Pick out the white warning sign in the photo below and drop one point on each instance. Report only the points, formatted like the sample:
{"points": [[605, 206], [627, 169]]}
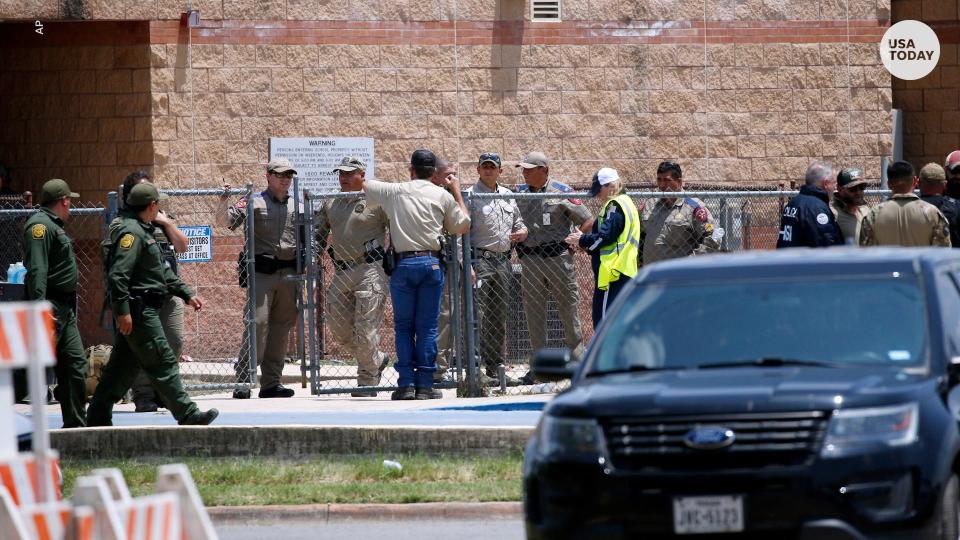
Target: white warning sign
{"points": [[315, 157], [199, 245]]}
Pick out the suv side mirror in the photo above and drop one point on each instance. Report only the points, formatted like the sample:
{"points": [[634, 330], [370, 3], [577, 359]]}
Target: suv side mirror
{"points": [[553, 365]]}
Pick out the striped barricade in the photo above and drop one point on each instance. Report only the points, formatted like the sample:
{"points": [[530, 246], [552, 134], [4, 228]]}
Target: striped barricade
{"points": [[176, 479], [152, 517], [19, 476], [16, 318], [48, 521]]}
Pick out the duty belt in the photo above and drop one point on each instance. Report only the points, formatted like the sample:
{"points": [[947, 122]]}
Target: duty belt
{"points": [[346, 265], [550, 249], [480, 253], [150, 298], [60, 297], [410, 254]]}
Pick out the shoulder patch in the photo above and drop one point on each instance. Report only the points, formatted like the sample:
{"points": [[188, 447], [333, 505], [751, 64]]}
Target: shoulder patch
{"points": [[38, 231], [522, 188], [690, 201], [822, 218], [700, 214], [359, 208], [126, 241]]}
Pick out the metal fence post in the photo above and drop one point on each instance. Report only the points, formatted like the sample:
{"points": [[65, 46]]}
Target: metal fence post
{"points": [[456, 312], [301, 338], [251, 291], [473, 379], [111, 211], [311, 353]]}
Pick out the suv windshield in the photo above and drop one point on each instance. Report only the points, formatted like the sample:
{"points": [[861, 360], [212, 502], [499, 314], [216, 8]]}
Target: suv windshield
{"points": [[822, 324]]}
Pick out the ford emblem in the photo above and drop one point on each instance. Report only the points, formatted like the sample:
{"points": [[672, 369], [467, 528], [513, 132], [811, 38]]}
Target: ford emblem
{"points": [[709, 438]]}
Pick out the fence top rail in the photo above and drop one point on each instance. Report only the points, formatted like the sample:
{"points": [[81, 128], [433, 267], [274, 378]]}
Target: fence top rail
{"points": [[203, 192], [587, 195], [16, 212]]}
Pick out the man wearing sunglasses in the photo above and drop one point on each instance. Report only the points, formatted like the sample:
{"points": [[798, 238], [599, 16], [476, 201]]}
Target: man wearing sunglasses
{"points": [[933, 188], [849, 204]]}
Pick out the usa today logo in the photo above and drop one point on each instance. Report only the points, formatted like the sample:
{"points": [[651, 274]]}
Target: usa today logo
{"points": [[910, 50]]}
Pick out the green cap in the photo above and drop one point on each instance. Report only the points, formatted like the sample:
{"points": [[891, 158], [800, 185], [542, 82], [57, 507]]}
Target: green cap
{"points": [[143, 194], [350, 163], [54, 190]]}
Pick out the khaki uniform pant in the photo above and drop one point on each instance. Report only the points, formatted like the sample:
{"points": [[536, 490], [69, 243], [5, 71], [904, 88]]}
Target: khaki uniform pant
{"points": [[171, 319], [492, 301], [276, 313], [355, 306], [553, 275]]}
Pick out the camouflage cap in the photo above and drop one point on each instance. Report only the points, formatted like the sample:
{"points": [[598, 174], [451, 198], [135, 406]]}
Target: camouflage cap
{"points": [[54, 190], [350, 163], [850, 177], [933, 173], [281, 166], [534, 160], [143, 194]]}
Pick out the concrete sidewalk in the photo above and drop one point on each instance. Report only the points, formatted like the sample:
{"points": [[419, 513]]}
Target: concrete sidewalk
{"points": [[327, 512]]}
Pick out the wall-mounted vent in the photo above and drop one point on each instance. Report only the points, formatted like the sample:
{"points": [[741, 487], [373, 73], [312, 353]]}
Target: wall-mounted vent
{"points": [[545, 10]]}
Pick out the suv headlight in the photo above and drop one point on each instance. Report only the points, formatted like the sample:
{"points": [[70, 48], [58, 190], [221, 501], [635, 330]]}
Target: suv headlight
{"points": [[571, 438], [857, 430]]}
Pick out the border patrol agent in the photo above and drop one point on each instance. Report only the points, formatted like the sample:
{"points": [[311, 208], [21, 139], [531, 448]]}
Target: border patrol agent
{"points": [[548, 264], [933, 187], [275, 250], [170, 241], [903, 219], [614, 242], [357, 293], [495, 225], [675, 227], [419, 213], [138, 283], [52, 275]]}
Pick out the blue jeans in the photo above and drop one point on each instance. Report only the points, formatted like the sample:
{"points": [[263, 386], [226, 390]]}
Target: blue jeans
{"points": [[415, 288]]}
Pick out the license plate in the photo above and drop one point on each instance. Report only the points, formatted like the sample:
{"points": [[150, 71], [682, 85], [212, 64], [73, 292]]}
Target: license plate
{"points": [[708, 514]]}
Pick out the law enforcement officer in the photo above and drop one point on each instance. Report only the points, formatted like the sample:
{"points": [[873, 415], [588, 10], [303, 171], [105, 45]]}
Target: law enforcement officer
{"points": [[441, 177], [52, 275], [548, 264], [275, 252], [675, 227], [138, 283], [933, 186], [355, 299], [951, 166], [807, 220], [849, 204], [904, 219], [495, 225], [419, 213], [614, 241], [171, 241]]}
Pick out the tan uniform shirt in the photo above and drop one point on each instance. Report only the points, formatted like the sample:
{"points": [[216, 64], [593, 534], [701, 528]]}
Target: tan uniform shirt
{"points": [[274, 225], [492, 220], [353, 223], [849, 223], [419, 212], [550, 220], [684, 228], [905, 220]]}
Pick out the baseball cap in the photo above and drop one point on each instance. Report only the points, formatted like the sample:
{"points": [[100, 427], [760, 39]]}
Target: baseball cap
{"points": [[350, 163], [423, 158], [492, 157], [143, 194], [601, 178], [850, 177], [281, 165], [933, 173], [953, 161], [55, 189], [534, 159]]}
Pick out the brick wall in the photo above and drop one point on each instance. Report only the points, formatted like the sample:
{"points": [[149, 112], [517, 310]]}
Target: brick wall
{"points": [[931, 105]]}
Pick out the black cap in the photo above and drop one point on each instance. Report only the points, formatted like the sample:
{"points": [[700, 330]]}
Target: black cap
{"points": [[492, 157], [423, 158], [850, 177]]}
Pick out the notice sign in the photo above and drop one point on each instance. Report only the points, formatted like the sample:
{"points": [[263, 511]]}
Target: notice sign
{"points": [[199, 245], [315, 157]]}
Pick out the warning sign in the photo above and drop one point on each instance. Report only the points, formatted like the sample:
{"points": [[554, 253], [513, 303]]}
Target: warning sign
{"points": [[199, 245], [315, 157]]}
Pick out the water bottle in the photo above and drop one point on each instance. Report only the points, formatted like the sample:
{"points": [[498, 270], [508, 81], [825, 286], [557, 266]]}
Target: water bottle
{"points": [[21, 275], [11, 273], [391, 465]]}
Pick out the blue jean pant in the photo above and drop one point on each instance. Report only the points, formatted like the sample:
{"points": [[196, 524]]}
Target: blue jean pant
{"points": [[415, 289]]}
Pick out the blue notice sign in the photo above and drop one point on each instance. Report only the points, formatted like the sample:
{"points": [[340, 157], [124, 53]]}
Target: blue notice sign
{"points": [[200, 244]]}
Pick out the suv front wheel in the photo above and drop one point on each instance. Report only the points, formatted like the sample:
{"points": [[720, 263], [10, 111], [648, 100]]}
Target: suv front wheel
{"points": [[944, 524]]}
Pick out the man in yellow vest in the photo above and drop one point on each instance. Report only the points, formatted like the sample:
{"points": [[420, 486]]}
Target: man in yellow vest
{"points": [[614, 241]]}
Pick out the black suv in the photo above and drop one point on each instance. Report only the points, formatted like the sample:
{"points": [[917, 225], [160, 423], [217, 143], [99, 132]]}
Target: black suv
{"points": [[797, 394]]}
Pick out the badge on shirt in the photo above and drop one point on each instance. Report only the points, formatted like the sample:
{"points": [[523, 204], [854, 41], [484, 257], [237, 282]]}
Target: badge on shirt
{"points": [[38, 231], [700, 214], [822, 218], [126, 241], [358, 209], [546, 218]]}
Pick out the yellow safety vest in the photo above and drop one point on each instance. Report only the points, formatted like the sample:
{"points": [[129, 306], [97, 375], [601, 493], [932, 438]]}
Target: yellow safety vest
{"points": [[620, 258]]}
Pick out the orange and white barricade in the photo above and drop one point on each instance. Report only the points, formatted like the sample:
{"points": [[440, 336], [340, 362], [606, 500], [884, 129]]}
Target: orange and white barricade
{"points": [[19, 476]]}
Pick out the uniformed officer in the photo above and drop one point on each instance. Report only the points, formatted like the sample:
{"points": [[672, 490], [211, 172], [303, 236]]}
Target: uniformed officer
{"points": [[807, 220], [138, 283], [357, 293], [441, 177], [904, 219], [52, 275], [547, 260], [495, 225], [849, 204], [171, 241], [419, 213], [933, 187], [675, 227], [275, 252]]}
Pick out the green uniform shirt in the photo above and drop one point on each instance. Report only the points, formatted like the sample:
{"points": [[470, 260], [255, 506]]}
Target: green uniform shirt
{"points": [[137, 266], [48, 256]]}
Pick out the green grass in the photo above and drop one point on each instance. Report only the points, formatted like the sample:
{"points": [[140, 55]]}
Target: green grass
{"points": [[263, 481]]}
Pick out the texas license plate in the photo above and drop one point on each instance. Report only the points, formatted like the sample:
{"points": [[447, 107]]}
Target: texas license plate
{"points": [[708, 514]]}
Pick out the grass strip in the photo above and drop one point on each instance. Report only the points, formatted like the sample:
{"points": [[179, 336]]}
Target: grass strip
{"points": [[347, 480]]}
